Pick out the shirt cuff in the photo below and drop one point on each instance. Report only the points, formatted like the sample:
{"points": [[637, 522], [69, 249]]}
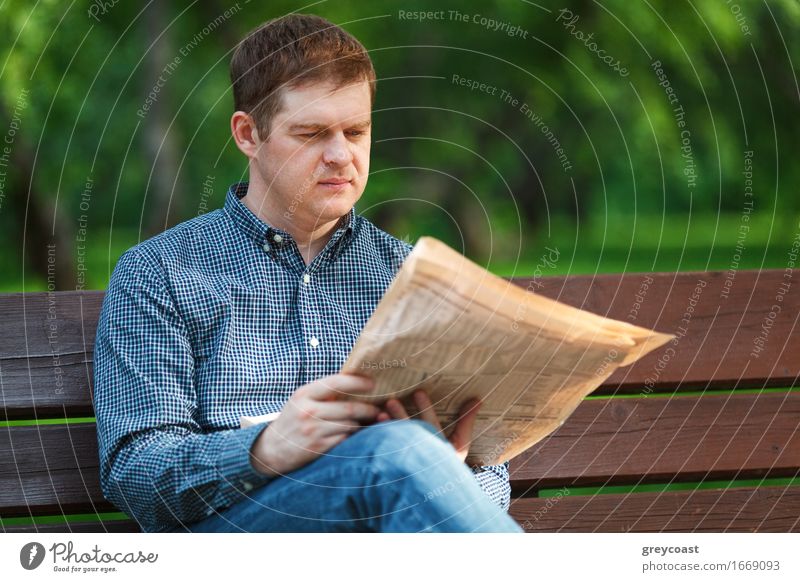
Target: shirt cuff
{"points": [[235, 461]]}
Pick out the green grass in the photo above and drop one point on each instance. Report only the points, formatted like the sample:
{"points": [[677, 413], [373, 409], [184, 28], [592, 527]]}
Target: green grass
{"points": [[601, 244], [56, 519], [664, 487], [639, 244], [46, 421], [704, 393]]}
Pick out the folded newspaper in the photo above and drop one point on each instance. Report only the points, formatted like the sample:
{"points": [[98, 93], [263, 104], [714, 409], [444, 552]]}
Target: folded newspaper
{"points": [[447, 325]]}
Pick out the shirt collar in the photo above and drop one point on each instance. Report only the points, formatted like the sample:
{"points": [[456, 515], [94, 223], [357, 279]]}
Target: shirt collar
{"points": [[263, 234]]}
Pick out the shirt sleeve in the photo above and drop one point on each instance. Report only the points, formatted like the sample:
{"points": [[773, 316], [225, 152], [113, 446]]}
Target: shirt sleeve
{"points": [[156, 463], [494, 480]]}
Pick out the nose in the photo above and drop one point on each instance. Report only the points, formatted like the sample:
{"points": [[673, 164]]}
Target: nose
{"points": [[337, 151]]}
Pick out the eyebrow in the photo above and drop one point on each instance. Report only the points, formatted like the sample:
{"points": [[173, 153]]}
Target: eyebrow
{"points": [[320, 127]]}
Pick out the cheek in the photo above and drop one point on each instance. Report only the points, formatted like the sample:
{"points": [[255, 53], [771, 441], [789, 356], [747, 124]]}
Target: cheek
{"points": [[362, 158], [297, 162]]}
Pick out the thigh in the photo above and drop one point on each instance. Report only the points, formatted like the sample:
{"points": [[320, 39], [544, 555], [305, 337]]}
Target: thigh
{"points": [[327, 495]]}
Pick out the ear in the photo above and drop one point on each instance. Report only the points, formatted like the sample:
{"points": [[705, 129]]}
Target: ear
{"points": [[245, 133]]}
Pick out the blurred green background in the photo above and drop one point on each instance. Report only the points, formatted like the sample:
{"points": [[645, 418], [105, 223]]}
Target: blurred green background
{"points": [[571, 158], [573, 143]]}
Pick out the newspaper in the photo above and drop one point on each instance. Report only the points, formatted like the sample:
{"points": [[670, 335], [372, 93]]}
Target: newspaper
{"points": [[448, 326]]}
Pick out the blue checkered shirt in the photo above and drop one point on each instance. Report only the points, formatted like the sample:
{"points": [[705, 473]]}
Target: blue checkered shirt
{"points": [[217, 318]]}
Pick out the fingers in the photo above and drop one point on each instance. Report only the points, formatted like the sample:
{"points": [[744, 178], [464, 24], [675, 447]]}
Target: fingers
{"points": [[336, 385], [461, 437], [396, 409], [423, 403], [426, 410]]}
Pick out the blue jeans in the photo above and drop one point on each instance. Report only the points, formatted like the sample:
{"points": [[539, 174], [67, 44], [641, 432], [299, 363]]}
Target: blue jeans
{"points": [[394, 476]]}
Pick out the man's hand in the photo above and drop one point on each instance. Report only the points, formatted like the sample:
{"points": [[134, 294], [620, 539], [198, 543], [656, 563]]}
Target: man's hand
{"points": [[313, 422], [460, 437]]}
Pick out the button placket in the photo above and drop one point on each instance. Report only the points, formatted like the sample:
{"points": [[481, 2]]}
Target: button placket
{"points": [[309, 317]]}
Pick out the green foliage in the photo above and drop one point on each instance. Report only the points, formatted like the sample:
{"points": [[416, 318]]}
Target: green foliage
{"points": [[467, 166]]}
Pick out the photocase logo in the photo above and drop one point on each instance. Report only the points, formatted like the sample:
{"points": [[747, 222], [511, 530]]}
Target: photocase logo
{"points": [[31, 555]]}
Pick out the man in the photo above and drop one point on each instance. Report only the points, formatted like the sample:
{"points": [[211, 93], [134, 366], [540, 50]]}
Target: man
{"points": [[252, 309]]}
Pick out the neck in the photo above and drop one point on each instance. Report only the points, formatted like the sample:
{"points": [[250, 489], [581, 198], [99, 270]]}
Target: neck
{"points": [[311, 236]]}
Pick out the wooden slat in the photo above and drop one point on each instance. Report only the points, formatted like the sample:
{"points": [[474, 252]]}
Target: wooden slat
{"points": [[116, 526], [46, 348], [619, 441], [72, 483], [763, 509], [721, 330], [688, 438], [715, 351], [50, 470]]}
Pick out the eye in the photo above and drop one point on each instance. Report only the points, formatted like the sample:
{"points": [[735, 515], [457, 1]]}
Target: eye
{"points": [[356, 133], [309, 135]]}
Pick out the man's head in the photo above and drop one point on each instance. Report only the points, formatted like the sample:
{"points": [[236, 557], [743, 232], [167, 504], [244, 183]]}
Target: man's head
{"points": [[303, 93]]}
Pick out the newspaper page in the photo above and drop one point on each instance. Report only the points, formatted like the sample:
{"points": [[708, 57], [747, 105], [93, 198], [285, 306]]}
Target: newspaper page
{"points": [[452, 328]]}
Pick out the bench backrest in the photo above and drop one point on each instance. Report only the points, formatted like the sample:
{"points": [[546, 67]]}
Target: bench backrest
{"points": [[713, 408]]}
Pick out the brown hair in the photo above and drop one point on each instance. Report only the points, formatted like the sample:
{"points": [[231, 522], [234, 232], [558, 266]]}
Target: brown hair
{"points": [[291, 51]]}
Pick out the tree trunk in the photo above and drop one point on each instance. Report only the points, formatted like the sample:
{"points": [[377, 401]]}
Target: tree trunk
{"points": [[164, 191], [47, 241]]}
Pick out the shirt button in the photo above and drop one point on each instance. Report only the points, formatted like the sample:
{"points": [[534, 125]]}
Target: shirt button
{"points": [[247, 485], [314, 342], [277, 238], [306, 278], [265, 247]]}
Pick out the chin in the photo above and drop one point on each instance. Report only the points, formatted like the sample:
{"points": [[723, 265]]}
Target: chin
{"points": [[336, 207], [334, 210]]}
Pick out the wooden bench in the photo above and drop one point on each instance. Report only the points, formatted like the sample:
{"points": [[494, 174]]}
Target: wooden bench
{"points": [[706, 414]]}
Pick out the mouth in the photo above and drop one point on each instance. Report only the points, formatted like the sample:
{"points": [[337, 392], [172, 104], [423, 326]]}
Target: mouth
{"points": [[334, 184], [335, 181]]}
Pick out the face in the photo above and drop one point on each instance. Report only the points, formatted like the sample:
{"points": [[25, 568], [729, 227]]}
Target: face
{"points": [[314, 165]]}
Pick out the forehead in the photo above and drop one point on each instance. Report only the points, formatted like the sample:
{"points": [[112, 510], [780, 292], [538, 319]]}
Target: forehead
{"points": [[325, 103]]}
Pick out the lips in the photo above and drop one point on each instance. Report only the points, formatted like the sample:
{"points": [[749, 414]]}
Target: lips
{"points": [[335, 185], [335, 181]]}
